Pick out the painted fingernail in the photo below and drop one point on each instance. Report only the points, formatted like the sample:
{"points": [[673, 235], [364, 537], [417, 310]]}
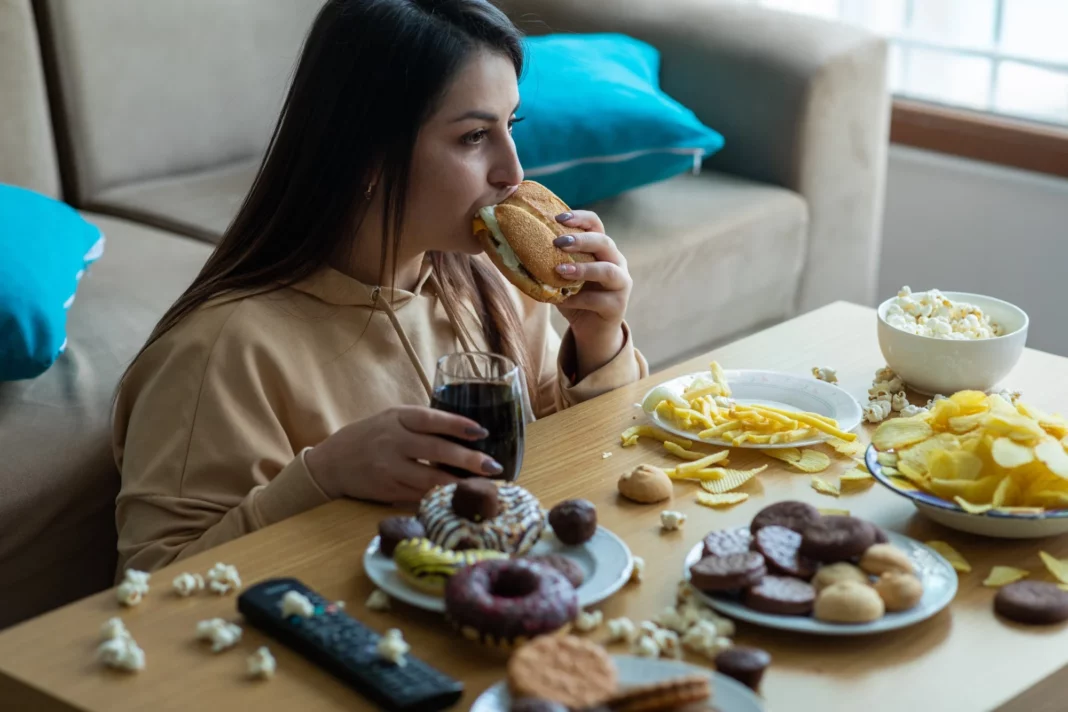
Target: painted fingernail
{"points": [[477, 433], [565, 269], [564, 217], [565, 241], [491, 466]]}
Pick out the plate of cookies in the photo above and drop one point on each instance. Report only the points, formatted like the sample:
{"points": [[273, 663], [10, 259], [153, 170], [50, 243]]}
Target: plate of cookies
{"points": [[481, 523], [561, 673], [796, 569]]}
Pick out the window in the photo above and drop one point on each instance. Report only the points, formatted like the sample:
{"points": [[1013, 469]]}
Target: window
{"points": [[1007, 57]]}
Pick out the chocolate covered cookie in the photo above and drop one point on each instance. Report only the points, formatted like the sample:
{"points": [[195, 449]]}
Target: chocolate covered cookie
{"points": [[831, 539], [781, 548], [476, 499], [782, 595], [727, 541], [574, 521], [1032, 602], [728, 573], [394, 530], [790, 514], [744, 664]]}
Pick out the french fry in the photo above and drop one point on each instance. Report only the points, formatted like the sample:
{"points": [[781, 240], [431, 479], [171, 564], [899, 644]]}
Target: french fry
{"points": [[720, 378], [786, 420], [816, 421], [704, 462], [694, 415], [682, 452], [702, 475], [651, 431], [755, 438], [794, 415], [719, 430]]}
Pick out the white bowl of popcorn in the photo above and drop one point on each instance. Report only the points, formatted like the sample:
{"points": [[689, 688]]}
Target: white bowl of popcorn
{"points": [[944, 342]]}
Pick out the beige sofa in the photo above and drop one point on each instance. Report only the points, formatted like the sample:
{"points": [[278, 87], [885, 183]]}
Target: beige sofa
{"points": [[151, 118]]}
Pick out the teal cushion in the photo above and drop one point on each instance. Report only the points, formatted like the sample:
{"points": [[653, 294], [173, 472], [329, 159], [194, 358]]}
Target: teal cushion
{"points": [[596, 122], [46, 247]]}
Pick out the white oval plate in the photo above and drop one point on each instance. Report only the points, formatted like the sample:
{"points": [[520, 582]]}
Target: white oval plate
{"points": [[728, 695], [939, 587], [782, 390], [605, 560]]}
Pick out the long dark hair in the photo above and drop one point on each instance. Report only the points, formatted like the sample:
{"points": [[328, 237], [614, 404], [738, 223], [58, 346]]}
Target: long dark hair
{"points": [[370, 74]]}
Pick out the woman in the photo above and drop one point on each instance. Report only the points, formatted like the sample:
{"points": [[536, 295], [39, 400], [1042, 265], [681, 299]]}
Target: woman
{"points": [[282, 379]]}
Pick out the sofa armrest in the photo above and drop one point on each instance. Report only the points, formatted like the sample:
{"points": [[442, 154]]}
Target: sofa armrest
{"points": [[803, 104]]}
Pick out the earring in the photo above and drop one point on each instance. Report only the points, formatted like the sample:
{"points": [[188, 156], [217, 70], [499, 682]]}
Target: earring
{"points": [[367, 193]]}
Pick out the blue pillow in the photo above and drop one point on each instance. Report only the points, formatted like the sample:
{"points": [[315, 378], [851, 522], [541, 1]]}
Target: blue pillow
{"points": [[45, 248], [597, 123]]}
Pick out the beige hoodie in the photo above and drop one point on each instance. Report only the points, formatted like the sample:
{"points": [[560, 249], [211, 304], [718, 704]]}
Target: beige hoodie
{"points": [[213, 420]]}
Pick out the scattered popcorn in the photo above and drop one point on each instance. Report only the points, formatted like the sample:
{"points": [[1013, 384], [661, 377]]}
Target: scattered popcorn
{"points": [[340, 604], [877, 411], [393, 648], [605, 455], [668, 643], [621, 629], [880, 394], [885, 375], [638, 570], [671, 520], [704, 640], [646, 647], [186, 585], [378, 600], [295, 603], [648, 628], [223, 578], [221, 633], [899, 401], [912, 410], [672, 619], [588, 621], [114, 628], [933, 315], [694, 612], [1010, 396], [937, 397], [683, 592], [825, 374], [261, 664], [121, 654], [133, 588]]}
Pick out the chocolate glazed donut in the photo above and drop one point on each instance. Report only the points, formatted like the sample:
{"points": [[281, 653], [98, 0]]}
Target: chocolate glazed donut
{"points": [[509, 601]]}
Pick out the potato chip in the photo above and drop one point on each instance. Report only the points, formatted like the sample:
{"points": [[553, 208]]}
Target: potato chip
{"points": [[1008, 454], [731, 480], [1003, 575], [891, 471], [916, 456], [979, 491], [954, 557], [1006, 492], [901, 432], [1063, 586], [886, 459], [907, 472], [726, 499], [824, 487], [970, 401], [855, 479], [829, 512], [1053, 455], [972, 508], [902, 485], [812, 461], [966, 423], [953, 465], [786, 454], [852, 449], [1057, 567]]}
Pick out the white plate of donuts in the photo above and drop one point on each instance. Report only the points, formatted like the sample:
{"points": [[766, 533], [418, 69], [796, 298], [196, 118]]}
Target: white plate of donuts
{"points": [[415, 562]]}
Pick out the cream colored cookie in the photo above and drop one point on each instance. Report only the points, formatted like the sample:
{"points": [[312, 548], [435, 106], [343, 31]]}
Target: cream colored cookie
{"points": [[836, 573], [899, 591], [849, 602], [645, 484], [880, 558]]}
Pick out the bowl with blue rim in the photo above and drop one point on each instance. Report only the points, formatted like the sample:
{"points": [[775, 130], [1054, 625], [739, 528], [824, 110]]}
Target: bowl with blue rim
{"points": [[997, 523]]}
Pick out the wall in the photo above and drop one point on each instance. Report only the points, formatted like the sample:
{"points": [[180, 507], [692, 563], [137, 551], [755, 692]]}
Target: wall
{"points": [[961, 225]]}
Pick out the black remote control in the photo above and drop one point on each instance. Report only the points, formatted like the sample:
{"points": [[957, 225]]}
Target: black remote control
{"points": [[347, 649]]}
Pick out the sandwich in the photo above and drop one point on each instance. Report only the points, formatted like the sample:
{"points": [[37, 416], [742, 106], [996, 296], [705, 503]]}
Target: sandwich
{"points": [[517, 235]]}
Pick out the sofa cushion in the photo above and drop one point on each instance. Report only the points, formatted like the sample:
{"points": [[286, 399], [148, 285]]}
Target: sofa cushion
{"points": [[200, 205], [154, 89], [712, 257], [58, 480], [27, 151], [637, 135], [46, 248]]}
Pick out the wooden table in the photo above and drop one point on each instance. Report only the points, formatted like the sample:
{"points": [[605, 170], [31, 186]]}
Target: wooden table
{"points": [[962, 659]]}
